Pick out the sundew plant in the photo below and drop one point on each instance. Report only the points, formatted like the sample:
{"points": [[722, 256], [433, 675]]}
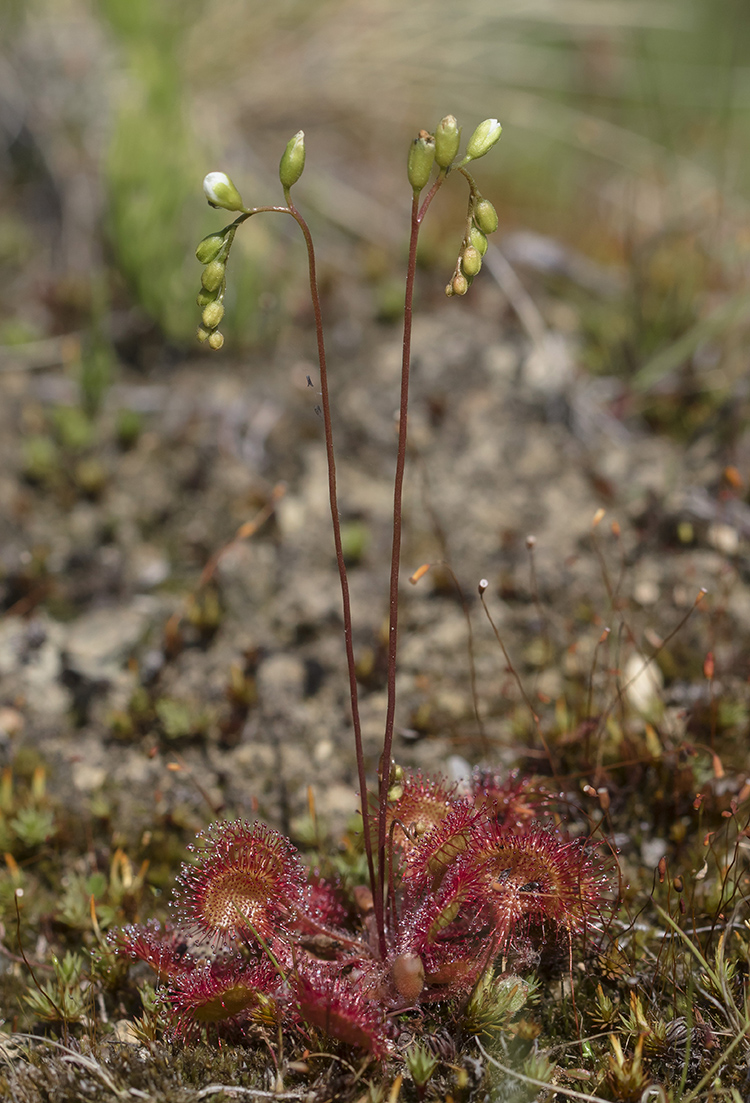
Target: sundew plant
{"points": [[451, 895]]}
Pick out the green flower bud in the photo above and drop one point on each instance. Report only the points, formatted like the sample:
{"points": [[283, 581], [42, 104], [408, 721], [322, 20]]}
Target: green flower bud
{"points": [[206, 297], [221, 192], [471, 262], [213, 275], [478, 240], [447, 140], [216, 340], [485, 216], [483, 139], [212, 315], [449, 290], [209, 248], [203, 334], [460, 284], [421, 160], [292, 160]]}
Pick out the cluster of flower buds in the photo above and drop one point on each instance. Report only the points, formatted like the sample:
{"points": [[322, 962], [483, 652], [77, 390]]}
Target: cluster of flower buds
{"points": [[441, 149], [483, 221], [213, 253]]}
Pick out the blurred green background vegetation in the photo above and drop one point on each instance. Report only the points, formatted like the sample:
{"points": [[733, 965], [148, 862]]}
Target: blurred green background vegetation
{"points": [[625, 141]]}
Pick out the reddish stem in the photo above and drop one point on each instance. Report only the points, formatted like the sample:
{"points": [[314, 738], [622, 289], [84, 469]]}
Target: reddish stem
{"points": [[417, 214], [377, 883], [344, 581]]}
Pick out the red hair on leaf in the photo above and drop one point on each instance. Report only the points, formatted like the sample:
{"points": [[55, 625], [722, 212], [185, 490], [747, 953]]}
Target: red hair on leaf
{"points": [[333, 1004], [447, 842], [512, 800], [222, 990], [536, 877], [323, 904], [166, 951], [248, 881], [423, 804], [450, 930]]}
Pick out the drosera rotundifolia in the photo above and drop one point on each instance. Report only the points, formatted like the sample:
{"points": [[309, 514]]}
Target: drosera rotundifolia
{"points": [[450, 893]]}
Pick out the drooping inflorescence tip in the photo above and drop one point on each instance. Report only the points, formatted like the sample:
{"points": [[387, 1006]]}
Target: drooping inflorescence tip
{"points": [[213, 253]]}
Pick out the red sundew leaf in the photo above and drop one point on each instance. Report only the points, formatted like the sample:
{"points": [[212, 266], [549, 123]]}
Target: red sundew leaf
{"points": [[537, 877], [332, 1003], [451, 929], [220, 990], [512, 799], [445, 844], [322, 905], [166, 951], [248, 881], [423, 805]]}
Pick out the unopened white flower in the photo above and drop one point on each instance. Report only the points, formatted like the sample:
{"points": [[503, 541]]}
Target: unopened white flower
{"points": [[483, 139], [221, 192]]}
